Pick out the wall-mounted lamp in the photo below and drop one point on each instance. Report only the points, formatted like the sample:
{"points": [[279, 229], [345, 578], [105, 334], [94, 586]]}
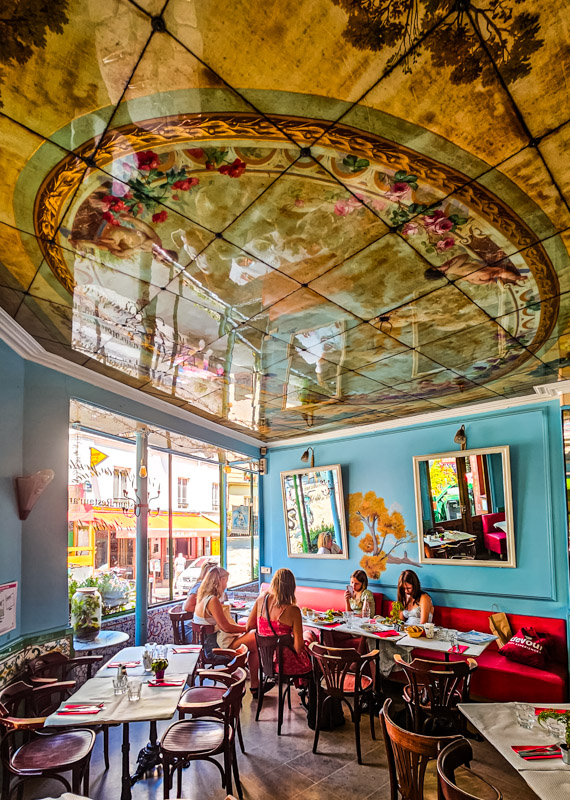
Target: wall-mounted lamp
{"points": [[305, 456], [29, 488]]}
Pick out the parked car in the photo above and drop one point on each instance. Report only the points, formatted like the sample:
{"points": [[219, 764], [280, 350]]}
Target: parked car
{"points": [[190, 575]]}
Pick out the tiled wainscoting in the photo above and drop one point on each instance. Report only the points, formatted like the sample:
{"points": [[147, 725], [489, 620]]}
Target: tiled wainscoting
{"points": [[14, 657]]}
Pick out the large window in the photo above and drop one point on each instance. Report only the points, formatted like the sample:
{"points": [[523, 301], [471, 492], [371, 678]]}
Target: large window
{"points": [[182, 492], [183, 478]]}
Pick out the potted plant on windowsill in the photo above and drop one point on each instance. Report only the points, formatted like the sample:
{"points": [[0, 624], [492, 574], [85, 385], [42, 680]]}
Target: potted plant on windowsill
{"points": [[563, 717]]}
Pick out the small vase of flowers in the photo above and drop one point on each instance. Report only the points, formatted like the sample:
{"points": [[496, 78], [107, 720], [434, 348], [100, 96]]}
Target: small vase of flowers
{"points": [[563, 717], [158, 667]]}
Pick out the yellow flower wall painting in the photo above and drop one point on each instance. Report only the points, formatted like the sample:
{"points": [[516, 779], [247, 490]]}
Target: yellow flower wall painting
{"points": [[383, 531]]}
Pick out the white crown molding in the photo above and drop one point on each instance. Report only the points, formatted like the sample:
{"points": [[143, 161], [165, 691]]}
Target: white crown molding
{"points": [[407, 422], [29, 349]]}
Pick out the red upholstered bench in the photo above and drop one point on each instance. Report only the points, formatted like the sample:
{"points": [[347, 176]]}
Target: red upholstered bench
{"points": [[497, 678], [323, 599]]}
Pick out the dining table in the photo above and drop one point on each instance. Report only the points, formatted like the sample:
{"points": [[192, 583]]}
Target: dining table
{"points": [[497, 722], [390, 641], [155, 703]]}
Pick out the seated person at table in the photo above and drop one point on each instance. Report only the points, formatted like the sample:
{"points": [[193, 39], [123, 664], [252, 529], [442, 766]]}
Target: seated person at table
{"points": [[228, 635], [353, 599], [418, 607], [276, 613], [190, 602], [358, 592], [326, 545]]}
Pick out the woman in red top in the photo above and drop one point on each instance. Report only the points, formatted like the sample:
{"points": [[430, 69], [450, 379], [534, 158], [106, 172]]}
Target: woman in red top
{"points": [[279, 606]]}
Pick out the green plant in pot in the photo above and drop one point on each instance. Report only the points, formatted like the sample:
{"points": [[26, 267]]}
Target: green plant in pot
{"points": [[395, 612], [158, 666], [564, 718]]}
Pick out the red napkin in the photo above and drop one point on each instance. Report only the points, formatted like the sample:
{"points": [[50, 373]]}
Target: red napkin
{"points": [[331, 624], [387, 634], [123, 664], [459, 648], [558, 710], [549, 753], [189, 649], [237, 604], [167, 683]]}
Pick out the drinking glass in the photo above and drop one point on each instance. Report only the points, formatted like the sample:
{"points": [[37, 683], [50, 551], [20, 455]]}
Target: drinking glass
{"points": [[525, 715], [349, 618], [345, 617], [119, 686], [453, 639], [310, 614], [134, 688]]}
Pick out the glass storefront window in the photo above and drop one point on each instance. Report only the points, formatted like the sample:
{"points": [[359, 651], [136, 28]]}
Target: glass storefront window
{"points": [[184, 482]]}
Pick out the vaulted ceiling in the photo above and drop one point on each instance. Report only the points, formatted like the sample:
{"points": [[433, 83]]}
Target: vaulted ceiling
{"points": [[291, 217]]}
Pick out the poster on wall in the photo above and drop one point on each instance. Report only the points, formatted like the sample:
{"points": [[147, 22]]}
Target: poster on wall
{"points": [[240, 520], [8, 595]]}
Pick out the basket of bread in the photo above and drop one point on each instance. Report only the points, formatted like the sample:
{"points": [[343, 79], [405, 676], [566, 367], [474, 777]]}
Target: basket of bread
{"points": [[415, 631]]}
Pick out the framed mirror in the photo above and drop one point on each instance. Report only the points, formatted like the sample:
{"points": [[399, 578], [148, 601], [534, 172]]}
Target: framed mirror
{"points": [[313, 504], [464, 508]]}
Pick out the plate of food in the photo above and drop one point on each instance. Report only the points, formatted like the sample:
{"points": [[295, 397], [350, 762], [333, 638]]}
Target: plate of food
{"points": [[329, 616]]}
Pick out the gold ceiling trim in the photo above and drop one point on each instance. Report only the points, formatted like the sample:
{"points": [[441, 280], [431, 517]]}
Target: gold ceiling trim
{"points": [[65, 178]]}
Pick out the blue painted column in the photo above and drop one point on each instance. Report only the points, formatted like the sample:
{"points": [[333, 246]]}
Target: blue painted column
{"points": [[141, 609]]}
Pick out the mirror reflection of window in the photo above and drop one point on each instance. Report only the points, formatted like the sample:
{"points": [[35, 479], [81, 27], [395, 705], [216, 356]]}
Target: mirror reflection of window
{"points": [[463, 507], [314, 512]]}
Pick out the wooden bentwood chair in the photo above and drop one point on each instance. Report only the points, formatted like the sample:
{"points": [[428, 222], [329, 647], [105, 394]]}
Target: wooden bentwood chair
{"points": [[210, 732], [42, 753], [55, 666], [335, 678], [456, 754], [213, 694], [408, 754], [178, 617], [270, 650], [218, 657], [433, 691]]}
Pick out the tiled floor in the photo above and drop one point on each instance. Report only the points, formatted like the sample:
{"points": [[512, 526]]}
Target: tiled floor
{"points": [[283, 768]]}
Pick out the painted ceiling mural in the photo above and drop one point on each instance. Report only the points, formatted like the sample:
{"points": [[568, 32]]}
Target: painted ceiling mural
{"points": [[341, 216]]}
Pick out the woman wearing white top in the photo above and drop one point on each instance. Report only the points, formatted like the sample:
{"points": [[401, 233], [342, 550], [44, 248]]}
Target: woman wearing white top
{"points": [[417, 605], [228, 635], [326, 546]]}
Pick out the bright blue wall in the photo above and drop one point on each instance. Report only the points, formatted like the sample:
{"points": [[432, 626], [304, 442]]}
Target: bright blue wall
{"points": [[11, 426], [34, 415], [382, 462]]}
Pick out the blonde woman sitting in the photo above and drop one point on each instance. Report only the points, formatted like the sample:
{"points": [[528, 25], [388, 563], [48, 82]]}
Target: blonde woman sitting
{"points": [[227, 635]]}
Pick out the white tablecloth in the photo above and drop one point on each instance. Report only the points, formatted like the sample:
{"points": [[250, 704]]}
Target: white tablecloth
{"points": [[157, 702], [178, 663], [498, 724]]}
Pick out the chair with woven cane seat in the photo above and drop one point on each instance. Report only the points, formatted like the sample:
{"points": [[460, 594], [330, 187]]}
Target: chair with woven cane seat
{"points": [[178, 618], [459, 754], [56, 666], [433, 691], [41, 754], [270, 650], [212, 694], [339, 674], [408, 755], [210, 733]]}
